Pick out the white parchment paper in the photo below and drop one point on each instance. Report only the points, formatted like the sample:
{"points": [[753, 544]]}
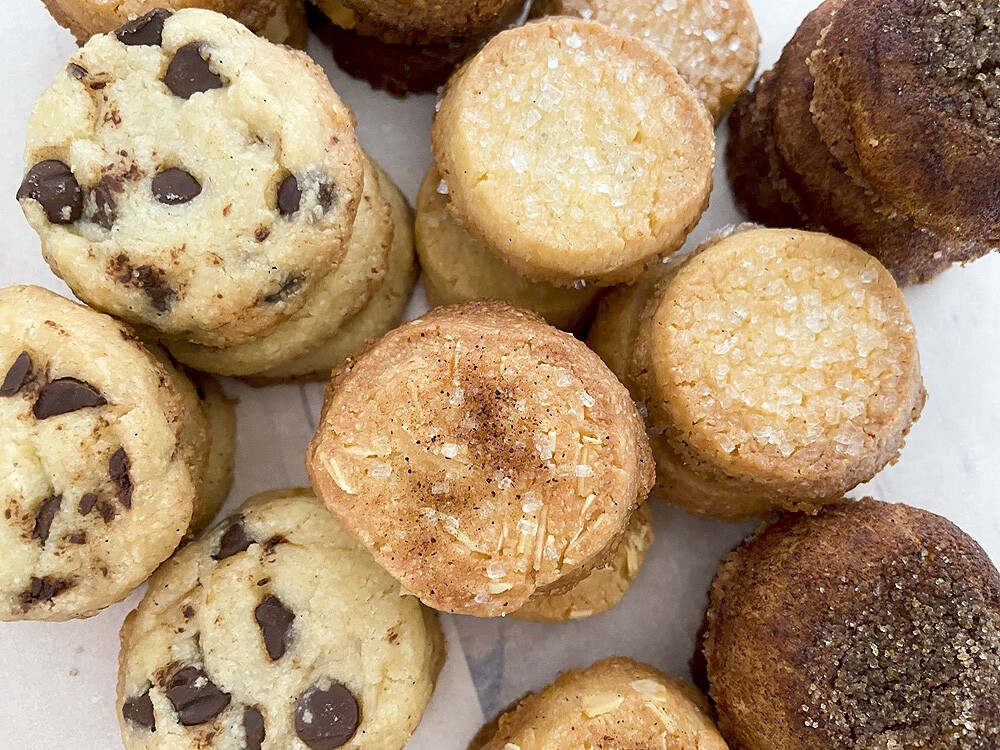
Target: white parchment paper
{"points": [[57, 681]]}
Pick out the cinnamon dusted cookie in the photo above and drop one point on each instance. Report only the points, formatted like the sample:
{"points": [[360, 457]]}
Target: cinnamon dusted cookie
{"points": [[192, 178], [98, 481], [275, 630]]}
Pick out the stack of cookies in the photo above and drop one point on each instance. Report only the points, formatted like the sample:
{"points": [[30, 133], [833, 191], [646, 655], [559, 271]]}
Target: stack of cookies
{"points": [[879, 124]]}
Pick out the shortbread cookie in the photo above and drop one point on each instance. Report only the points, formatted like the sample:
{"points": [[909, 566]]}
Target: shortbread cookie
{"points": [[97, 485], [335, 300], [714, 45], [482, 456], [779, 369], [275, 630], [604, 587], [192, 178], [632, 171], [616, 703], [868, 626], [456, 268]]}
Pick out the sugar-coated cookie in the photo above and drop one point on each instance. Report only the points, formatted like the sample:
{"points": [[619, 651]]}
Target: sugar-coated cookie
{"points": [[778, 368], [192, 178], [868, 626], [99, 462], [616, 704], [574, 152], [275, 630], [457, 268], [714, 45], [482, 456]]}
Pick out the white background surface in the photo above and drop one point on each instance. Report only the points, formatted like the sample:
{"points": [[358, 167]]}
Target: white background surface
{"points": [[58, 679]]}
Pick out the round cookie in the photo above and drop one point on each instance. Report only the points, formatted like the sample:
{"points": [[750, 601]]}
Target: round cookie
{"points": [[97, 485], [632, 172], [456, 268], [335, 300], [506, 460], [604, 587], [867, 626], [414, 21], [234, 647], [217, 476], [779, 369], [616, 704], [192, 179], [713, 45]]}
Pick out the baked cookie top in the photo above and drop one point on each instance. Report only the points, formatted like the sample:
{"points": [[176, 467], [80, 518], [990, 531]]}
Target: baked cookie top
{"points": [[192, 178]]}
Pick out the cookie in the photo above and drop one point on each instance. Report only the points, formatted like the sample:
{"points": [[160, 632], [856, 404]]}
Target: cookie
{"points": [[631, 176], [98, 485], [288, 25], [506, 460], [616, 703], [408, 22], [199, 185], [866, 626], [713, 45], [604, 587], [335, 300], [217, 474], [778, 368], [456, 268], [233, 646]]}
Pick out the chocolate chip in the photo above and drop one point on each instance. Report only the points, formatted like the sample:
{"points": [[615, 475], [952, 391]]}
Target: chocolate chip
{"points": [[326, 196], [105, 207], [53, 185], [78, 538], [189, 73], [262, 234], [188, 612], [149, 279], [77, 71], [289, 196], [288, 287], [326, 718], [87, 503], [253, 728], [195, 698], [66, 395], [42, 590], [17, 375], [44, 516], [139, 711], [275, 621], [107, 511], [118, 468], [234, 541], [145, 30], [175, 186]]}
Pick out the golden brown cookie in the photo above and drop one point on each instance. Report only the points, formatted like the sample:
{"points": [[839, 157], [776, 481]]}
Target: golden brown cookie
{"points": [[482, 456], [414, 21], [868, 626]]}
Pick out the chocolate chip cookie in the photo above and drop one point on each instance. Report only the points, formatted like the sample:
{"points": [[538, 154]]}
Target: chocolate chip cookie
{"points": [[192, 178], [275, 630]]}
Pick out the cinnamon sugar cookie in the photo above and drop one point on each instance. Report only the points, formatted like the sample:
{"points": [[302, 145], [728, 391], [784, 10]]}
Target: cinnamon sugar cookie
{"points": [[507, 460]]}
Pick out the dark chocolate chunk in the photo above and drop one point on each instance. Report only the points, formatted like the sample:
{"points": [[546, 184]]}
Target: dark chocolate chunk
{"points": [[66, 395], [77, 71], [289, 196], [253, 727], [326, 196], [234, 541], [195, 698], [53, 185], [78, 537], [44, 516], [288, 287], [118, 468], [42, 590], [188, 612], [17, 375], [105, 207], [189, 73], [107, 511], [327, 718], [145, 30], [139, 711], [175, 186], [87, 503], [275, 621], [149, 279]]}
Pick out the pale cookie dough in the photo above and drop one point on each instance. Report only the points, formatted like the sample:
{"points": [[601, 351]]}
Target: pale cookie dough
{"points": [[275, 630], [778, 368], [456, 268], [192, 178], [616, 704], [713, 44], [96, 484], [482, 456], [217, 475], [604, 587], [574, 152]]}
